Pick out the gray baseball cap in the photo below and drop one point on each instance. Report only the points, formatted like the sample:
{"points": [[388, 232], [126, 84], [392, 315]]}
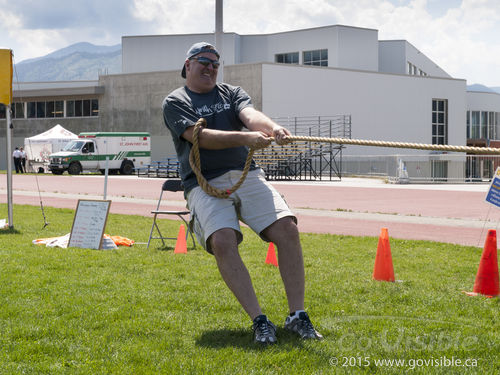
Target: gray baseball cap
{"points": [[196, 49]]}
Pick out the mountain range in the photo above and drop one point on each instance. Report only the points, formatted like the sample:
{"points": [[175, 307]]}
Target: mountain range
{"points": [[80, 61], [85, 61]]}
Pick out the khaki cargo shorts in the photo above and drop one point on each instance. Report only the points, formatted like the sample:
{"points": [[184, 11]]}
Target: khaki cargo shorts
{"points": [[256, 203]]}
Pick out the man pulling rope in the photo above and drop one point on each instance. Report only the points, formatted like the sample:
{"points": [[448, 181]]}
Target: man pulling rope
{"points": [[223, 147]]}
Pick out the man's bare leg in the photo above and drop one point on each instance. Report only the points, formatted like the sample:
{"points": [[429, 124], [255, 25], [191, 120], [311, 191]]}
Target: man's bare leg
{"points": [[285, 235], [233, 271]]}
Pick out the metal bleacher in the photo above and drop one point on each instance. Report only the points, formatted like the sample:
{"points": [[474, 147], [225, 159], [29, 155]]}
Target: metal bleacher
{"points": [[165, 168], [303, 160]]}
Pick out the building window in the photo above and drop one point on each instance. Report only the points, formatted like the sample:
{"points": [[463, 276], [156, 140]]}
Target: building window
{"points": [[56, 108], [50, 109], [414, 71], [86, 108], [70, 108], [497, 124], [78, 108], [491, 125], [287, 58], [484, 125], [31, 109], [40, 110], [82, 108], [318, 57], [467, 120], [95, 107], [18, 110], [59, 108], [474, 124], [439, 121]]}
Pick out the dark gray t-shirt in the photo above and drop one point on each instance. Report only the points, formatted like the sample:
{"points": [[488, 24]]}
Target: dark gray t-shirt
{"points": [[220, 108]]}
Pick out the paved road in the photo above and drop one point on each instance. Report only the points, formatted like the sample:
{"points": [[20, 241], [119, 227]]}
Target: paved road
{"points": [[360, 207]]}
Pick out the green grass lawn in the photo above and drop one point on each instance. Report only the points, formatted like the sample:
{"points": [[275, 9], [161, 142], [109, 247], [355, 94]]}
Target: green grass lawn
{"points": [[138, 311]]}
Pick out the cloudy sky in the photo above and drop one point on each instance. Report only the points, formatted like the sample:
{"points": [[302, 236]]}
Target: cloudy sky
{"points": [[461, 36]]}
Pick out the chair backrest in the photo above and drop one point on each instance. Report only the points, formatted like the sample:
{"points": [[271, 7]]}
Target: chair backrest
{"points": [[169, 185], [172, 185]]}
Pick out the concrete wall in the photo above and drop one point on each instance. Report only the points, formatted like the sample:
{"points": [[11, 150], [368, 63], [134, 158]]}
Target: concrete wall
{"points": [[254, 49], [483, 101], [153, 53], [395, 54], [383, 106], [392, 56], [357, 49], [249, 77]]}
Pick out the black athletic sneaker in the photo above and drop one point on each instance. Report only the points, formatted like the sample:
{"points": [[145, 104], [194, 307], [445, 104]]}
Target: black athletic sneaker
{"points": [[302, 326], [264, 331]]}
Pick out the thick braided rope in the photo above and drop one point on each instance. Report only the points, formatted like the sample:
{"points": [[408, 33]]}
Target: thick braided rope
{"points": [[194, 156], [418, 146], [194, 161]]}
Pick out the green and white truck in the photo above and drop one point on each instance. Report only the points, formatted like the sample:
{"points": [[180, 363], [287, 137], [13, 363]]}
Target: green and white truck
{"points": [[125, 151]]}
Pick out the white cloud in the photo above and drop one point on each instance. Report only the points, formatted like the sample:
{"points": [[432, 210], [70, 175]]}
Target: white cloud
{"points": [[456, 41], [177, 17], [41, 41], [25, 42]]}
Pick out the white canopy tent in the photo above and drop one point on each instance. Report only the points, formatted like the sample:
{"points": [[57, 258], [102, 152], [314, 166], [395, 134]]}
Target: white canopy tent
{"points": [[40, 146]]}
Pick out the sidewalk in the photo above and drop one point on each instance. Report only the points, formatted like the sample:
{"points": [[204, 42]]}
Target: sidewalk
{"points": [[360, 207]]}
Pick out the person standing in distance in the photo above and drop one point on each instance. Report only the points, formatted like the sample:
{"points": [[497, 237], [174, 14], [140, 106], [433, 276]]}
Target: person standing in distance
{"points": [[223, 151], [17, 155], [23, 159]]}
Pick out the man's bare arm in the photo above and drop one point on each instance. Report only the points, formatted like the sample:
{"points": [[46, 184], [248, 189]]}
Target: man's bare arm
{"points": [[213, 139], [257, 121]]}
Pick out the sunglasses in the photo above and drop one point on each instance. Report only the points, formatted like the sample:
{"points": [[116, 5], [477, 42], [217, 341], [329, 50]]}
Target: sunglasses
{"points": [[205, 61]]}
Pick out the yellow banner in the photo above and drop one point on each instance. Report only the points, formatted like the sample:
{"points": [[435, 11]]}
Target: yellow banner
{"points": [[5, 76]]}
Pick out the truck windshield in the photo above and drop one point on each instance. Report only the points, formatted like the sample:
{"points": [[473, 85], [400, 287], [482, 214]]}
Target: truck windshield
{"points": [[73, 146]]}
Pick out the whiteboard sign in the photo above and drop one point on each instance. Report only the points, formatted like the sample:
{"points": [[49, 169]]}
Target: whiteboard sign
{"points": [[89, 223]]}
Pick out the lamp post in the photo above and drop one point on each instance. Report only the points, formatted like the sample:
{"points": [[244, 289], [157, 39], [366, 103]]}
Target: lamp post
{"points": [[219, 36]]}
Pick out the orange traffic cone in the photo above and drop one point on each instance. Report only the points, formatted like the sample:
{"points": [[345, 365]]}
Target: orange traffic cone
{"points": [[271, 255], [383, 270], [487, 274], [180, 245]]}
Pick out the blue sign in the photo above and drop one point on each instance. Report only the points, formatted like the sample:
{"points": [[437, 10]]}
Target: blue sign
{"points": [[493, 195]]}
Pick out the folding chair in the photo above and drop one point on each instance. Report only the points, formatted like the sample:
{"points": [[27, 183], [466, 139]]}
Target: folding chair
{"points": [[171, 185]]}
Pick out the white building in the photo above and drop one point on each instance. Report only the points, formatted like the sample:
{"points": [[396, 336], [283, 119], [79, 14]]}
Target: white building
{"points": [[391, 90]]}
